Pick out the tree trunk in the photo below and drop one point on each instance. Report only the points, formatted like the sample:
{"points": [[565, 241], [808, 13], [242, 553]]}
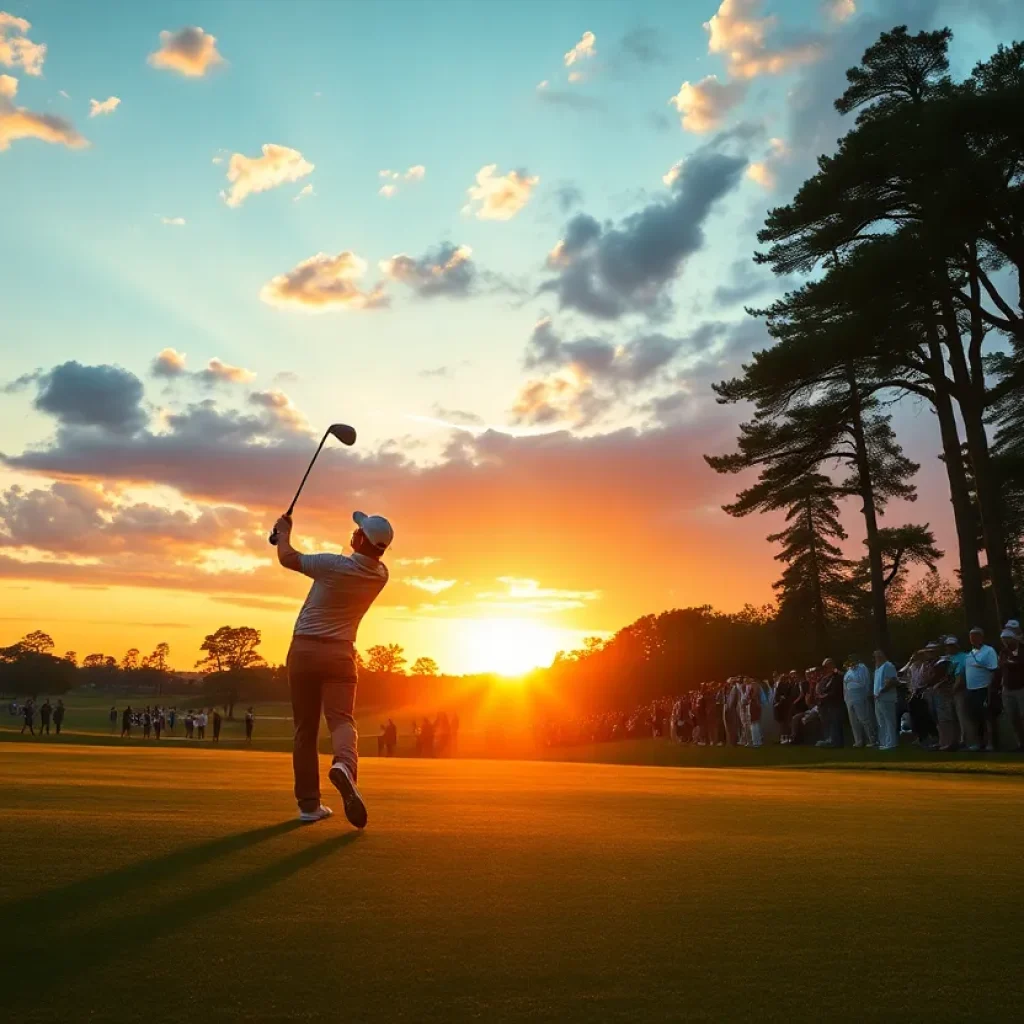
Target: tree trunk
{"points": [[963, 511], [970, 394], [867, 494], [820, 619]]}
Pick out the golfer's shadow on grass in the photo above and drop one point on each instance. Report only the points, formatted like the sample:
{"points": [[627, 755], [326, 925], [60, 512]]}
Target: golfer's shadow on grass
{"points": [[48, 957]]}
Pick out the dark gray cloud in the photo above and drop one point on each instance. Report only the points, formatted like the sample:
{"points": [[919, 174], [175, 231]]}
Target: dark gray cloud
{"points": [[632, 363], [609, 270], [448, 270], [106, 397], [567, 195]]}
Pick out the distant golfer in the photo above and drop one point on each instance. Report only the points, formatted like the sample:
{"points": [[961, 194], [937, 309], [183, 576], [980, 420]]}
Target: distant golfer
{"points": [[250, 718], [321, 660]]}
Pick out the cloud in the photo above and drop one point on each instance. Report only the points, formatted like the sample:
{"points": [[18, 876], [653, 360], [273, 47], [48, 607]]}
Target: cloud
{"points": [[16, 49], [504, 488], [567, 196], [606, 271], [306, 190], [765, 172], [745, 281], [567, 98], [277, 166], [583, 50], [703, 106], [20, 123], [459, 417], [643, 45], [108, 106], [448, 270], [71, 518], [500, 196], [528, 596], [839, 10], [190, 51], [392, 178], [105, 397], [597, 358], [173, 222], [322, 283], [430, 584], [280, 408], [741, 36], [560, 399], [169, 362], [219, 372]]}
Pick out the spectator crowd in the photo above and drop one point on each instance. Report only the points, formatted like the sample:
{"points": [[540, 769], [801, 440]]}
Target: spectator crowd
{"points": [[947, 697]]}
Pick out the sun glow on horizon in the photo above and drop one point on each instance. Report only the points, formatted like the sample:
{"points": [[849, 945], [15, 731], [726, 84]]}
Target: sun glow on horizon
{"points": [[509, 647]]}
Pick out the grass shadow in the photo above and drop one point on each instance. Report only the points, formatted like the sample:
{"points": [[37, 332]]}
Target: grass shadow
{"points": [[96, 890], [49, 960]]}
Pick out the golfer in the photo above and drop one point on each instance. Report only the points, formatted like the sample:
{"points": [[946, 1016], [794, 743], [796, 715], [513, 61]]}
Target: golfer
{"points": [[321, 659]]}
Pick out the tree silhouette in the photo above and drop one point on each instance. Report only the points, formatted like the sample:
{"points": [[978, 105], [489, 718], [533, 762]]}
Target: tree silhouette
{"points": [[386, 659], [424, 667]]}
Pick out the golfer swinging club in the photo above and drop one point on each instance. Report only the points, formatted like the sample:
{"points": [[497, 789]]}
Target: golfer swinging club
{"points": [[321, 659]]}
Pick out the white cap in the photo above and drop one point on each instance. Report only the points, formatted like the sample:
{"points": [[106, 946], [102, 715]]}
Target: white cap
{"points": [[1008, 634], [1013, 624], [376, 529], [952, 640]]}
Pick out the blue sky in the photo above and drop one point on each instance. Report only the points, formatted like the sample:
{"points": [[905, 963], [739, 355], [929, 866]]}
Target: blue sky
{"points": [[91, 272]]}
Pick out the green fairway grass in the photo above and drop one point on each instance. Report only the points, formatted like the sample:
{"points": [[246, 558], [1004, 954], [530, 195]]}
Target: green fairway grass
{"points": [[137, 884]]}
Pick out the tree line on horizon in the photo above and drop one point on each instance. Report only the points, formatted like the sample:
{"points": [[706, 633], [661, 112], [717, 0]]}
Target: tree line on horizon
{"points": [[913, 236]]}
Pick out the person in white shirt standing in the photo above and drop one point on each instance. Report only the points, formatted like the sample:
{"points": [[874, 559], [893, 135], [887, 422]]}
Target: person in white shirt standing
{"points": [[981, 664], [885, 695], [321, 660], [857, 694]]}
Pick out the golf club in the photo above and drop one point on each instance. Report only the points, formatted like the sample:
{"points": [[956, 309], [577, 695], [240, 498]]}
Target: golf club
{"points": [[346, 435]]}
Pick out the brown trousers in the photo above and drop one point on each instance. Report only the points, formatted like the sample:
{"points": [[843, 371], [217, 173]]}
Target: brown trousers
{"points": [[322, 678]]}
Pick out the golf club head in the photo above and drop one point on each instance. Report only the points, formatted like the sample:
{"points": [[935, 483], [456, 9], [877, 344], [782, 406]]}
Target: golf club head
{"points": [[343, 432]]}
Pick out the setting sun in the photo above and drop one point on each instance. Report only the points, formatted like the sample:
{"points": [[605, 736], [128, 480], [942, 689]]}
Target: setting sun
{"points": [[510, 647]]}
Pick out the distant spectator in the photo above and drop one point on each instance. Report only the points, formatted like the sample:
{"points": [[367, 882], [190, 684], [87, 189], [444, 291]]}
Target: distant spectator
{"points": [[857, 696], [217, 721], [919, 705], [28, 714], [391, 737], [113, 718], [45, 713], [250, 720], [58, 715], [830, 703], [126, 722], [1011, 678], [886, 697], [981, 664]]}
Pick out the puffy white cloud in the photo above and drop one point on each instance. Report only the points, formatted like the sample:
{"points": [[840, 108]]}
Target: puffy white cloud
{"points": [[277, 166], [219, 372], [169, 362], [392, 178], [20, 123], [107, 106], [306, 190], [738, 33], [500, 196], [322, 283], [16, 49], [583, 50], [703, 105], [190, 51]]}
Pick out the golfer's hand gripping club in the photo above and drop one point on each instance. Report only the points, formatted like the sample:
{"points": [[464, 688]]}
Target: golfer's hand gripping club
{"points": [[273, 532]]}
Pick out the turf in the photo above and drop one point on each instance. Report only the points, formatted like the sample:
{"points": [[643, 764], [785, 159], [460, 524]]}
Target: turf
{"points": [[142, 884]]}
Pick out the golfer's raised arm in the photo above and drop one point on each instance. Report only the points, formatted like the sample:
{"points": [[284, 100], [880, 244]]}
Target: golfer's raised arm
{"points": [[286, 554]]}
